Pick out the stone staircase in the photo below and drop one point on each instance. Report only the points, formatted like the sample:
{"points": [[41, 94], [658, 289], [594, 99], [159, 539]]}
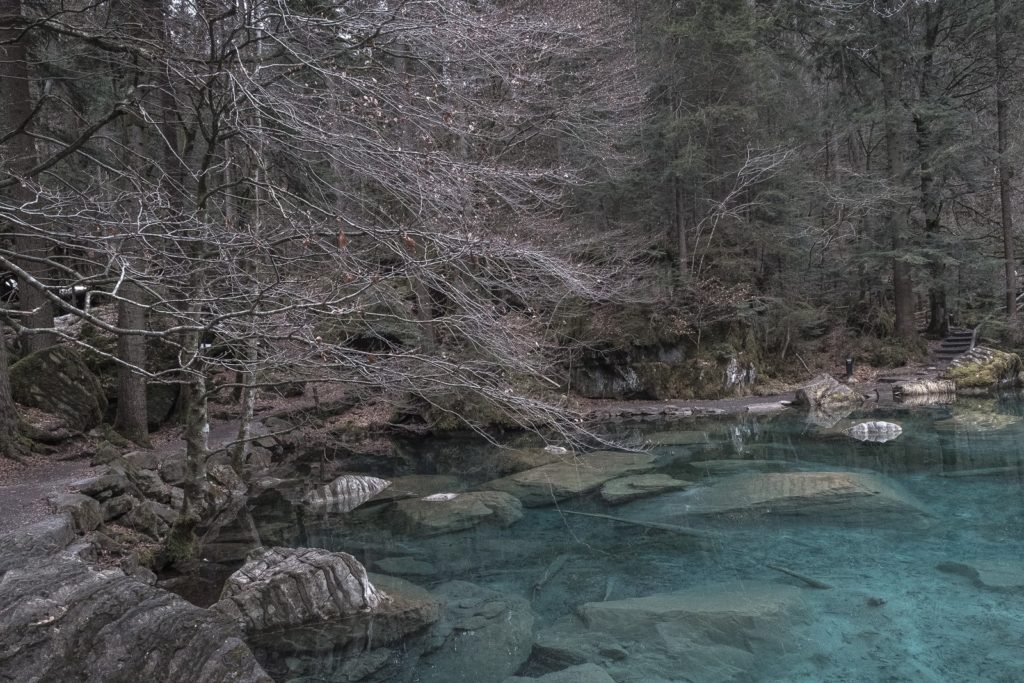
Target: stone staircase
{"points": [[956, 343]]}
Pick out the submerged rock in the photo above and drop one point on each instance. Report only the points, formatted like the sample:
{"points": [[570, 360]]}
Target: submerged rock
{"points": [[441, 514], [625, 489], [417, 486], [584, 673], [999, 575], [711, 633], [283, 587], [483, 635], [726, 466], [875, 432], [560, 480], [847, 497], [345, 493]]}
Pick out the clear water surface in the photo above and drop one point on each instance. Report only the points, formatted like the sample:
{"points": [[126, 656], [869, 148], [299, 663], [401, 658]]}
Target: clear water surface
{"points": [[927, 588]]}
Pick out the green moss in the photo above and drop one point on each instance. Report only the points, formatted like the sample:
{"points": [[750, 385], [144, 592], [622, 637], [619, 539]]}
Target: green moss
{"points": [[988, 372], [182, 544]]}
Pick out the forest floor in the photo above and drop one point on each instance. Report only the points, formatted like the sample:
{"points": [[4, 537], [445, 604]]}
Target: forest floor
{"points": [[24, 487]]}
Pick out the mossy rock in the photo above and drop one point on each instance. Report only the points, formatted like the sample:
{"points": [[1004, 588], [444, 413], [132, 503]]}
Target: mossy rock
{"points": [[58, 381], [984, 369]]}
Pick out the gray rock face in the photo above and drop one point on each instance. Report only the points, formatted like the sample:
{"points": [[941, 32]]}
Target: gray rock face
{"points": [[441, 514], [625, 489], [286, 587], [846, 497], [58, 381], [60, 620], [565, 479], [875, 432], [345, 493], [84, 511], [824, 392], [484, 635]]}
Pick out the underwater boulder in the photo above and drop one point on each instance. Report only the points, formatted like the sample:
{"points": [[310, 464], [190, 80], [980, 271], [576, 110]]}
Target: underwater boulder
{"points": [[446, 513], [584, 673], [625, 489], [557, 481], [485, 635], [838, 497]]}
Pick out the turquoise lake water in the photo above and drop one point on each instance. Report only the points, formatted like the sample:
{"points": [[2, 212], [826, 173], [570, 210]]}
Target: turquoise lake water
{"points": [[922, 582]]}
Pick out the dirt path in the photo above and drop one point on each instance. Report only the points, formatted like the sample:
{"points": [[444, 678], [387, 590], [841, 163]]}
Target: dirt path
{"points": [[24, 488]]}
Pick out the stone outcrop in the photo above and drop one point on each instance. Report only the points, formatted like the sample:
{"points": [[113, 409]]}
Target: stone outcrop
{"points": [[85, 511], [58, 381], [983, 370], [345, 493], [442, 514], [565, 479], [875, 432], [285, 587], [825, 393], [61, 620], [625, 489]]}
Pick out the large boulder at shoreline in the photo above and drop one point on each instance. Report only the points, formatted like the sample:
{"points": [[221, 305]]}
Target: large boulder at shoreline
{"points": [[825, 393], [447, 512], [345, 493], [484, 635], [557, 481], [61, 620], [843, 497], [278, 588], [983, 370], [58, 381]]}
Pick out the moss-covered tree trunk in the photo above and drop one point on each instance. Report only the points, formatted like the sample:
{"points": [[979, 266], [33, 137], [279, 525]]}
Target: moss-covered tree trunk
{"points": [[11, 444]]}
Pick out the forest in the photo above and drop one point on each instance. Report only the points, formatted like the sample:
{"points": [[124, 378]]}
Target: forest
{"points": [[482, 216]]}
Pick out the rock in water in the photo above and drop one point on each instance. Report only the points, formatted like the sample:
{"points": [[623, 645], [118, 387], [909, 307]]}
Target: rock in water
{"points": [[876, 432], [560, 480], [825, 392], [584, 673], [285, 587], [998, 575], [712, 633], [625, 489], [845, 497], [441, 514], [485, 636], [983, 370], [345, 493]]}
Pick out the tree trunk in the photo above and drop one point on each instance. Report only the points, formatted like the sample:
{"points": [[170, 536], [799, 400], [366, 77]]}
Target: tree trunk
{"points": [[132, 418], [931, 200], [11, 445], [1005, 174], [16, 101], [902, 282]]}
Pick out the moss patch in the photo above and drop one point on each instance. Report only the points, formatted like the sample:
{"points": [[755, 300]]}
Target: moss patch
{"points": [[984, 368]]}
